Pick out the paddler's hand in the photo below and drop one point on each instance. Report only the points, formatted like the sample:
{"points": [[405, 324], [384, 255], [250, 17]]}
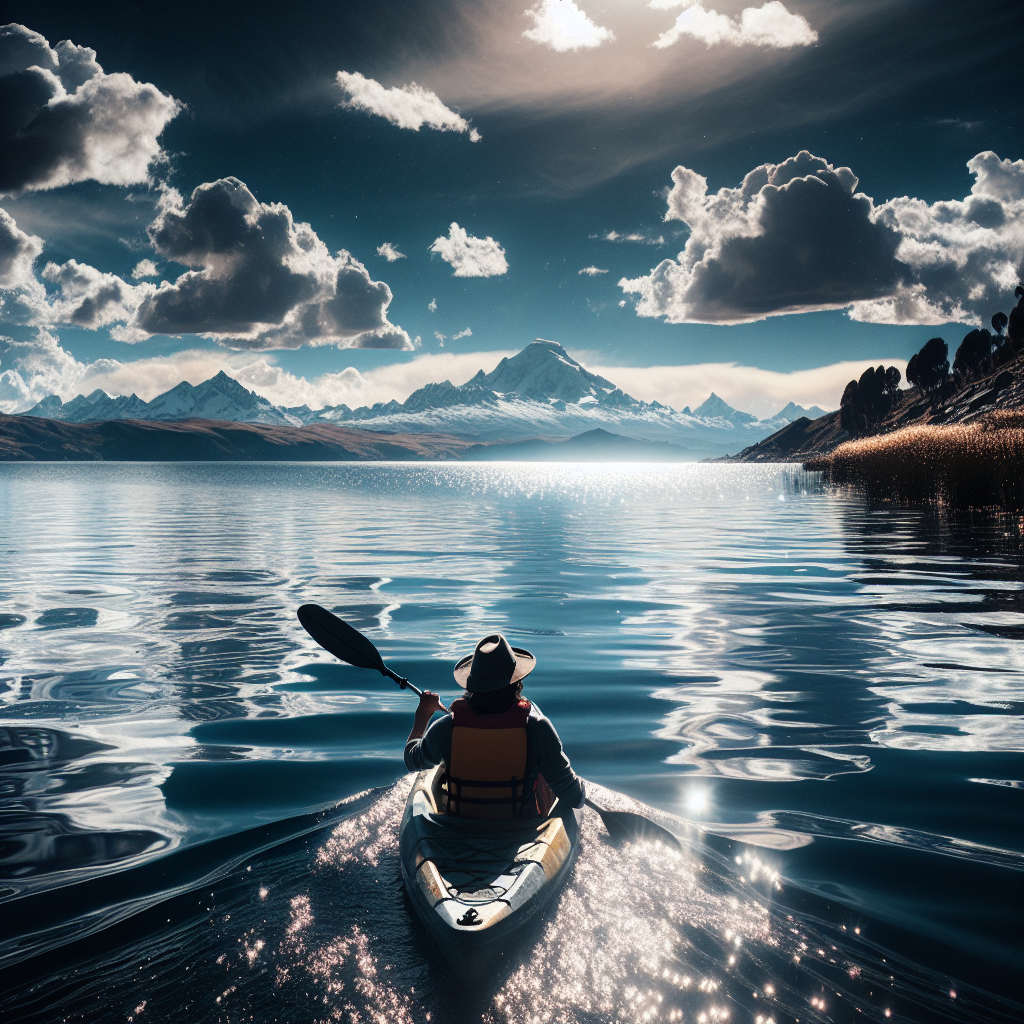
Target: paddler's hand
{"points": [[429, 704]]}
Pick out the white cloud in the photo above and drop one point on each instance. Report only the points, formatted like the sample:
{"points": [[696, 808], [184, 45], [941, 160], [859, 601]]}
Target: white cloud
{"points": [[793, 237], [432, 305], [18, 251], [761, 392], [407, 106], [440, 337], [144, 268], [389, 252], [561, 25], [631, 236], [87, 297], [38, 368], [797, 236], [771, 25], [467, 333], [964, 258], [469, 255], [591, 271], [65, 120]]}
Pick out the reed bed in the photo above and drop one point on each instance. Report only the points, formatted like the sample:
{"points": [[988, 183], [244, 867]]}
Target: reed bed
{"points": [[966, 465]]}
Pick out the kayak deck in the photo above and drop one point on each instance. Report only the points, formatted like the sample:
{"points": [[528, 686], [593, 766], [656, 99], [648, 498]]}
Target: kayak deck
{"points": [[474, 883]]}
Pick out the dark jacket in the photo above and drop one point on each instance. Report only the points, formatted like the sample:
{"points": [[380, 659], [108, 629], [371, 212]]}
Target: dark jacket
{"points": [[544, 755]]}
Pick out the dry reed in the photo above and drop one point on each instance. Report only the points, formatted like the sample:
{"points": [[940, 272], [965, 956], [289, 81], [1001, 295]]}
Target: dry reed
{"points": [[964, 465]]}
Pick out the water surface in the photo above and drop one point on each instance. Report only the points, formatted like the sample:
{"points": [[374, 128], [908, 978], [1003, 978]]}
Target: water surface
{"points": [[200, 807]]}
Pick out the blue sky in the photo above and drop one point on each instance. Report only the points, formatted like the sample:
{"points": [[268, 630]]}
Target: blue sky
{"points": [[557, 136]]}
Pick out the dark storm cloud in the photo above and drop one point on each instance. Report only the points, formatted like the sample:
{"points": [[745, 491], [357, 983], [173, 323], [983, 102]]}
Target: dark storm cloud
{"points": [[797, 236], [263, 281], [62, 119]]}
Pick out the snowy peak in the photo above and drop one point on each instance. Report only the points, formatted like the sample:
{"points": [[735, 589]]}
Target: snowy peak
{"points": [[716, 408], [219, 398], [794, 412], [544, 372]]}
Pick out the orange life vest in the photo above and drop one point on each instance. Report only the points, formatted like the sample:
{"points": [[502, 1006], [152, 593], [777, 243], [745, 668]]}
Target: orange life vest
{"points": [[486, 772]]}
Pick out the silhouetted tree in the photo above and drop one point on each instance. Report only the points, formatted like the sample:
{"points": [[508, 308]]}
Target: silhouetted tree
{"points": [[974, 356], [866, 401], [929, 368], [1015, 324]]}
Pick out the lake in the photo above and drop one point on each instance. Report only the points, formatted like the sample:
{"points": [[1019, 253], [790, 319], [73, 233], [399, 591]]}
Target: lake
{"points": [[822, 696]]}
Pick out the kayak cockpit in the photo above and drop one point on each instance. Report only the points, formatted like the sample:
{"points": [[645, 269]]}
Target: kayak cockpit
{"points": [[475, 883]]}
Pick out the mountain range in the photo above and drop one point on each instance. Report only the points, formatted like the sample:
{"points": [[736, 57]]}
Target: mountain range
{"points": [[540, 392]]}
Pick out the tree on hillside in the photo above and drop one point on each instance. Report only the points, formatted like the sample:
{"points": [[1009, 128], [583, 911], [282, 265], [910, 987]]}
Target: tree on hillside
{"points": [[929, 368], [974, 356], [865, 402], [1015, 324]]}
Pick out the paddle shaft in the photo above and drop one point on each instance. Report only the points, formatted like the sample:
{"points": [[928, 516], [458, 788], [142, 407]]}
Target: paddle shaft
{"points": [[347, 644]]}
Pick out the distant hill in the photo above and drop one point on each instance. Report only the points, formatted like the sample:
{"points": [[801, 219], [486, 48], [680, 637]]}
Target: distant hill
{"points": [[595, 445], [28, 439], [540, 392]]}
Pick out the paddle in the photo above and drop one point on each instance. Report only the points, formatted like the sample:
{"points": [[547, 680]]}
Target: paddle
{"points": [[628, 825], [347, 644]]}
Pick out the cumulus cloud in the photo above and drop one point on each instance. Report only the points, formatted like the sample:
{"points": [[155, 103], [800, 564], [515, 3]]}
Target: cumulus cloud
{"points": [[389, 252], [144, 268], [18, 251], [469, 255], [65, 120], [37, 368], [963, 258], [771, 25], [263, 281], [87, 297], [591, 271], [793, 237], [408, 106], [797, 236], [432, 305], [561, 25], [467, 333]]}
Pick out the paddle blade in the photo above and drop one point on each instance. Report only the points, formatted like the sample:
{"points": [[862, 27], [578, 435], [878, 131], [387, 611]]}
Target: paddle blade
{"points": [[338, 637], [629, 827]]}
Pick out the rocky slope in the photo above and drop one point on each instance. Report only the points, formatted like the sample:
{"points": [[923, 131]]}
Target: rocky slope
{"points": [[805, 439]]}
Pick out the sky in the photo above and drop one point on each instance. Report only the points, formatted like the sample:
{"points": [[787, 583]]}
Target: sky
{"points": [[342, 202]]}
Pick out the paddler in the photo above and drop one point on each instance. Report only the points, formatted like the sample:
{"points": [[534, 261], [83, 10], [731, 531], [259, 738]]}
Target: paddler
{"points": [[503, 758]]}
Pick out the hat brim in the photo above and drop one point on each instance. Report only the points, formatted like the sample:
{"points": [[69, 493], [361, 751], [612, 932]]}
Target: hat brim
{"points": [[525, 664]]}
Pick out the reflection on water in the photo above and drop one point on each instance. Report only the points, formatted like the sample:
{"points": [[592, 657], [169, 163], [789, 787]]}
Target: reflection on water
{"points": [[836, 683]]}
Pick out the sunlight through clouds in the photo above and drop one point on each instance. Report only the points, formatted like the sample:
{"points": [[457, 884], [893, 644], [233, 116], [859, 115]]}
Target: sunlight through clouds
{"points": [[562, 26]]}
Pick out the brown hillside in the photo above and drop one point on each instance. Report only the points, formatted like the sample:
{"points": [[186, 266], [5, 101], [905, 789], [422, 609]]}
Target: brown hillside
{"points": [[805, 439]]}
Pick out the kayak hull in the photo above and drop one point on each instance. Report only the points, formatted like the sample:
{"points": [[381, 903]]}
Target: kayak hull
{"points": [[476, 885]]}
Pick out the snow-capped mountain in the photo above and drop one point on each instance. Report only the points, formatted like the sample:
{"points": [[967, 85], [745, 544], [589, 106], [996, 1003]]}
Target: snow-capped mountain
{"points": [[219, 398], [542, 391]]}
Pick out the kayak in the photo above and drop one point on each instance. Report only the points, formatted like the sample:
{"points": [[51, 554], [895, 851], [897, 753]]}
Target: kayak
{"points": [[474, 883]]}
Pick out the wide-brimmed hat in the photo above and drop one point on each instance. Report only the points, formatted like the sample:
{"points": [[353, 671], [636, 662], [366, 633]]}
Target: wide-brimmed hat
{"points": [[494, 664]]}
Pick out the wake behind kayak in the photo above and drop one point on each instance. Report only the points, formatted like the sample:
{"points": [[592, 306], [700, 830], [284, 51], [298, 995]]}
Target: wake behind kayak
{"points": [[475, 884]]}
